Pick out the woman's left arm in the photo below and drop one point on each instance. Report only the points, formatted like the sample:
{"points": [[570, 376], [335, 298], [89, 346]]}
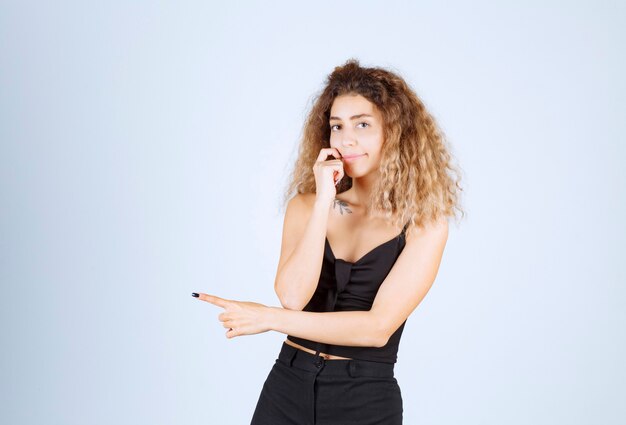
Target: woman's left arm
{"points": [[403, 289]]}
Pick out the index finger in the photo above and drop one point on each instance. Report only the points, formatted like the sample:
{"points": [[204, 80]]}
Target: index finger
{"points": [[324, 152], [221, 302]]}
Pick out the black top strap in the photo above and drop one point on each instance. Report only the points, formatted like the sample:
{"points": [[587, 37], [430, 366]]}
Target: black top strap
{"points": [[405, 226]]}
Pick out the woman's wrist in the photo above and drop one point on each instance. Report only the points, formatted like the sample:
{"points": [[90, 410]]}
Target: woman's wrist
{"points": [[271, 318]]}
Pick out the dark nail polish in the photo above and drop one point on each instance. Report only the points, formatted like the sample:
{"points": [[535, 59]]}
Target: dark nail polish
{"points": [[193, 294]]}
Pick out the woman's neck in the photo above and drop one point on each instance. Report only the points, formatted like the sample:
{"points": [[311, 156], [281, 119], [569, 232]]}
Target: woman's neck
{"points": [[358, 197]]}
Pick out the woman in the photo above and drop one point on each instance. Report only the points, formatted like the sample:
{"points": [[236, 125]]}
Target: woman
{"points": [[362, 242]]}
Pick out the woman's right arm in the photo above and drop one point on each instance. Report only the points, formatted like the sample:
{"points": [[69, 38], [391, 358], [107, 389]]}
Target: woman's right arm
{"points": [[304, 234], [302, 250]]}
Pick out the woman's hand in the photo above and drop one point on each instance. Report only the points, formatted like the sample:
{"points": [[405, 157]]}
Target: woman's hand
{"points": [[240, 317], [327, 174]]}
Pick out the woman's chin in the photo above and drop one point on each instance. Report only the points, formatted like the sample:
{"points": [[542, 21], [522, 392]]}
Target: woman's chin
{"points": [[356, 172]]}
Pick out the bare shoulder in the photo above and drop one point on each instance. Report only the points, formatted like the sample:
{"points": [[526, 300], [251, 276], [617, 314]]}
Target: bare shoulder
{"points": [[308, 198], [435, 231], [299, 209], [301, 203]]}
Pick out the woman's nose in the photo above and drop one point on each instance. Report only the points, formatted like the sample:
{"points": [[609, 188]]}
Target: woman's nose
{"points": [[348, 138]]}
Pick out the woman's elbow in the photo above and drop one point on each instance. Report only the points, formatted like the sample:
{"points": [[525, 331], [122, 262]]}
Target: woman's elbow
{"points": [[287, 302], [287, 305], [379, 332], [381, 340], [292, 297]]}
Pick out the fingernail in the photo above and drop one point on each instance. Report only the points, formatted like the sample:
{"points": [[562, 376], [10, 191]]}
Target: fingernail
{"points": [[193, 294]]}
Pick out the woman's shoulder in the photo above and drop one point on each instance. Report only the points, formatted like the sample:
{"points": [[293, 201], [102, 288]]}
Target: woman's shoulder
{"points": [[435, 228], [302, 200], [299, 207]]}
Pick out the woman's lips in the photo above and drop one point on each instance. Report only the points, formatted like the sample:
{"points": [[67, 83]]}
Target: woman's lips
{"points": [[353, 157]]}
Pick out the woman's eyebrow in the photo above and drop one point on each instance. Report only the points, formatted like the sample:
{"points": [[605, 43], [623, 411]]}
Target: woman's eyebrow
{"points": [[353, 117]]}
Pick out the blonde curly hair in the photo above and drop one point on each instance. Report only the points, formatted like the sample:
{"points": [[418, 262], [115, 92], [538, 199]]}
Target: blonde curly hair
{"points": [[417, 181]]}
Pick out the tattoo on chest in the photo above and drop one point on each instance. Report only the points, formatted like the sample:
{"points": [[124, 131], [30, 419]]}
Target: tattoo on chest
{"points": [[341, 205]]}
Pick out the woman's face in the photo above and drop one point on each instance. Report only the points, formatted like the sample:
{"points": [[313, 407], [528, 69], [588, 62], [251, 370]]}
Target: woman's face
{"points": [[356, 129]]}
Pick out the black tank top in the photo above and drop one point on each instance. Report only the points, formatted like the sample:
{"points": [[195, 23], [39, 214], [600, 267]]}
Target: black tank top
{"points": [[345, 286]]}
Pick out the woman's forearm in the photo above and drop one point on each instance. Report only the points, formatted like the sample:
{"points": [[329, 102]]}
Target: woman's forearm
{"points": [[298, 278], [352, 328]]}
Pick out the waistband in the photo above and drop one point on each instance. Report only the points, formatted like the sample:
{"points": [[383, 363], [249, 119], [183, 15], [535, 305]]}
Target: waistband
{"points": [[294, 357]]}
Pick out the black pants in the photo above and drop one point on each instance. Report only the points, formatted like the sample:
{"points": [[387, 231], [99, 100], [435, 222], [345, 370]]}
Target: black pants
{"points": [[305, 389]]}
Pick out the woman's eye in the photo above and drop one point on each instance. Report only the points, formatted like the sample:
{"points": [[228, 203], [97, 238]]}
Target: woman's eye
{"points": [[337, 125]]}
